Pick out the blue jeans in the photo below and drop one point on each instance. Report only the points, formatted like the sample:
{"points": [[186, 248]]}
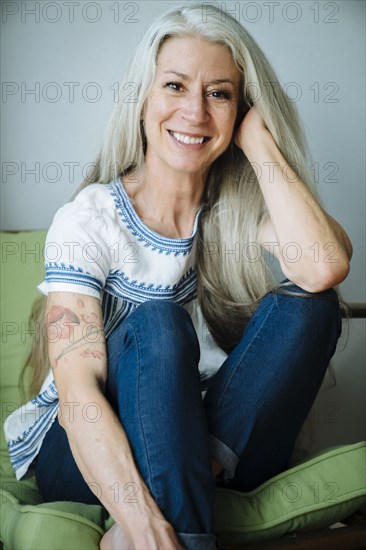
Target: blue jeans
{"points": [[248, 421]]}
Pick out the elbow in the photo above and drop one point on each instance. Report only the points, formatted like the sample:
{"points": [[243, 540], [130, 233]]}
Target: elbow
{"points": [[335, 273], [326, 275], [330, 276]]}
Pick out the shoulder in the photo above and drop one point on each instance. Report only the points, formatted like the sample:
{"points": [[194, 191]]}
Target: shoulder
{"points": [[94, 203], [96, 196], [78, 243], [95, 192]]}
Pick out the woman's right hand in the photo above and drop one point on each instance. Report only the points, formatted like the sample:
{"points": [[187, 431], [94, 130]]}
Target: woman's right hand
{"points": [[158, 536]]}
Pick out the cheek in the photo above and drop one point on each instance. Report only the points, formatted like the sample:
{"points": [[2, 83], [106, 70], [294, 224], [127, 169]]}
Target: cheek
{"points": [[157, 113], [228, 125], [225, 115]]}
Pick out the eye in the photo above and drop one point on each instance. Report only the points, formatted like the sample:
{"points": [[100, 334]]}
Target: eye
{"points": [[173, 86], [221, 94]]}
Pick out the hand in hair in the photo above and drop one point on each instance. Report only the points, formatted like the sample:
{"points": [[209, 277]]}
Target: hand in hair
{"points": [[252, 125]]}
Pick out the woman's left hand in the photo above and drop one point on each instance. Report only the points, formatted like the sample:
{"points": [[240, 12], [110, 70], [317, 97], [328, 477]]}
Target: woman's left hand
{"points": [[251, 126]]}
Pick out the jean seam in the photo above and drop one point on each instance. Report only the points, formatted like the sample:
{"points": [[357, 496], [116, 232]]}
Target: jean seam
{"points": [[235, 368], [139, 404]]}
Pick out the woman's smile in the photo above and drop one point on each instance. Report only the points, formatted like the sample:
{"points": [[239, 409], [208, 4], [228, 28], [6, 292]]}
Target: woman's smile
{"points": [[189, 141]]}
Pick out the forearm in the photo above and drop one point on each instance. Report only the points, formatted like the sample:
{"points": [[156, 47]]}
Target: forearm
{"points": [[103, 455], [310, 240]]}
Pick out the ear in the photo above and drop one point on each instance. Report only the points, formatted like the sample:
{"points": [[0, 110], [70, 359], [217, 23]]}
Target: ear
{"points": [[143, 134], [143, 111], [142, 124]]}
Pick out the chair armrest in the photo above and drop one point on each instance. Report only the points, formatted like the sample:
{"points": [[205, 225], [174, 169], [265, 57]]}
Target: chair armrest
{"points": [[357, 310]]}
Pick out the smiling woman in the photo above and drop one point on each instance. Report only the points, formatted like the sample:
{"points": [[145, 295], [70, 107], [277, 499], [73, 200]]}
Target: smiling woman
{"points": [[201, 368]]}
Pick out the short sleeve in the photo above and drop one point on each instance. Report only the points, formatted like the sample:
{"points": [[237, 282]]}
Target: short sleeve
{"points": [[77, 249]]}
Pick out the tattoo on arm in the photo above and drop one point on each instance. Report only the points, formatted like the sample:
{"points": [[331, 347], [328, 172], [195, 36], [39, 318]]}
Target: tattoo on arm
{"points": [[65, 318], [97, 354], [79, 344], [58, 313]]}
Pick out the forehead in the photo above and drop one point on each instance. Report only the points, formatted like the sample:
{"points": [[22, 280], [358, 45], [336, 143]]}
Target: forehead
{"points": [[193, 55]]}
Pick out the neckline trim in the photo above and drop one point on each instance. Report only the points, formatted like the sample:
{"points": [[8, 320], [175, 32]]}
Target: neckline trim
{"points": [[145, 233]]}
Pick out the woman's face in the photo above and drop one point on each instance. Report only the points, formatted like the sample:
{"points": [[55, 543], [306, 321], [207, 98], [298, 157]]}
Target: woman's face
{"points": [[191, 110]]}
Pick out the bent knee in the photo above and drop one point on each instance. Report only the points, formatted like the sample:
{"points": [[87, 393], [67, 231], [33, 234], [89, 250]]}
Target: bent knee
{"points": [[321, 309], [160, 307], [164, 314], [166, 325]]}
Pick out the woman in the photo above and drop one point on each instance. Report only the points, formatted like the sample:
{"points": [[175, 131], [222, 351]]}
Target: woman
{"points": [[158, 294]]}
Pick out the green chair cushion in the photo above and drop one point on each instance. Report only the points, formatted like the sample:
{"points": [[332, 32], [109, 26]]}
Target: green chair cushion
{"points": [[301, 498], [315, 493]]}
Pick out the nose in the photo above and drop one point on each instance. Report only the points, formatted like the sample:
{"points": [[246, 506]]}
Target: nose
{"points": [[195, 108]]}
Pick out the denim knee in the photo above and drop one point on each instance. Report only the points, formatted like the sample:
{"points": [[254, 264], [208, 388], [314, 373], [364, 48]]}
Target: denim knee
{"points": [[160, 308], [167, 321], [319, 307], [160, 330]]}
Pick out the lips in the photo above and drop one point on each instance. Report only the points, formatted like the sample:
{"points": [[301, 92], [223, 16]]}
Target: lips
{"points": [[189, 139]]}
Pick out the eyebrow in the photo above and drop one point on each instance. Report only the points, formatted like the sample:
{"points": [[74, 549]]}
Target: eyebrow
{"points": [[215, 81]]}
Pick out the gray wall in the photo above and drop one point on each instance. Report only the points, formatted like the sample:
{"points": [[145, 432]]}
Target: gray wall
{"points": [[318, 52]]}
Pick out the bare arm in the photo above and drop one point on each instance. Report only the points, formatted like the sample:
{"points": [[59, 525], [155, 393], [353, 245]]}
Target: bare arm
{"points": [[78, 357], [312, 248]]}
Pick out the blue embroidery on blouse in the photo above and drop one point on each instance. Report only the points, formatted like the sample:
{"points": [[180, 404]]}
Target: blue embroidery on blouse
{"points": [[143, 233], [60, 273], [120, 285]]}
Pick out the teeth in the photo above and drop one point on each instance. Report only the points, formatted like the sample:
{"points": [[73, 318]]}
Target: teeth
{"points": [[186, 139]]}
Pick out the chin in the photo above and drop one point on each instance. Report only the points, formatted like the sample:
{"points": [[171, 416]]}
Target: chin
{"points": [[193, 172], [189, 168]]}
